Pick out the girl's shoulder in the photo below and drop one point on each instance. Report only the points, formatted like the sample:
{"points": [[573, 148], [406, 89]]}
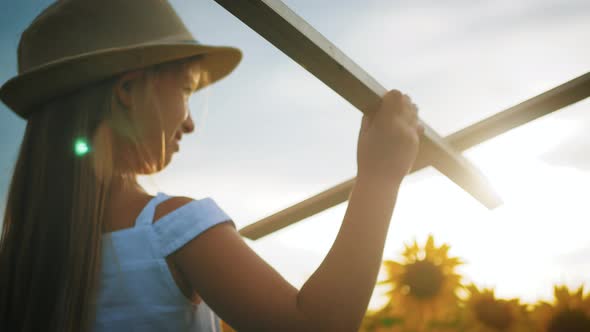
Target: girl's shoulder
{"points": [[171, 204], [177, 220]]}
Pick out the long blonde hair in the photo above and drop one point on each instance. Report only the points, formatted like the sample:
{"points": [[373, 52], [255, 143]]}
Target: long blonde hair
{"points": [[50, 246]]}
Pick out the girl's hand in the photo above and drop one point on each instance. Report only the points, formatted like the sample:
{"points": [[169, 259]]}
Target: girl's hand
{"points": [[389, 138]]}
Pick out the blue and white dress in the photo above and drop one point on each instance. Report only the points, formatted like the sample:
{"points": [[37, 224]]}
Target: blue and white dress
{"points": [[137, 291]]}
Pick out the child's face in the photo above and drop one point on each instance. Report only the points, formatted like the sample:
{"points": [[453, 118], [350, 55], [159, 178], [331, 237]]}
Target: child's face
{"points": [[161, 119], [174, 87]]}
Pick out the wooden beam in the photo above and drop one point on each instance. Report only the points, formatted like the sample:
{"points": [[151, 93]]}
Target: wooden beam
{"points": [[273, 20], [531, 109]]}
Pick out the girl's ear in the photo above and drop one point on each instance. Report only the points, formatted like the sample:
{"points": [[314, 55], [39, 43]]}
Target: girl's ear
{"points": [[125, 86]]}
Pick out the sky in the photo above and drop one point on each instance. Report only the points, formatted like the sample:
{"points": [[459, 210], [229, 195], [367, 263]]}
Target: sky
{"points": [[271, 134]]}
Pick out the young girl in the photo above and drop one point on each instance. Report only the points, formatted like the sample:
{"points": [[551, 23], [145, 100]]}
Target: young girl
{"points": [[104, 86]]}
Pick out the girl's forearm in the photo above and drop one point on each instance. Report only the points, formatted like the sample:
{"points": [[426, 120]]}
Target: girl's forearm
{"points": [[336, 296]]}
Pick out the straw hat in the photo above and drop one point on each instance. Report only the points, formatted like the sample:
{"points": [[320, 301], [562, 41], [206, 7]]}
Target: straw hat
{"points": [[76, 42]]}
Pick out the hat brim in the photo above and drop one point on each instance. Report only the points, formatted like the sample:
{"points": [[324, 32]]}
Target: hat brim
{"points": [[21, 93]]}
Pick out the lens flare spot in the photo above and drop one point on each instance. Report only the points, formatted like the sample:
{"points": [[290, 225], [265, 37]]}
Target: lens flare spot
{"points": [[81, 147]]}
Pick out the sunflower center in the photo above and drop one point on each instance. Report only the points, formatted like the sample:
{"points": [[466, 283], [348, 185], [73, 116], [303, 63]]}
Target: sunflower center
{"points": [[423, 278], [493, 313], [569, 321]]}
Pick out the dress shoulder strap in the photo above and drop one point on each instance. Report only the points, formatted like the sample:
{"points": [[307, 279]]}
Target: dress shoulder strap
{"points": [[178, 227], [146, 216]]}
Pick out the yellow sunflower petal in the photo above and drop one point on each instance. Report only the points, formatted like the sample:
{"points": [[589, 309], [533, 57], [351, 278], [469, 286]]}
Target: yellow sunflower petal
{"points": [[429, 244]]}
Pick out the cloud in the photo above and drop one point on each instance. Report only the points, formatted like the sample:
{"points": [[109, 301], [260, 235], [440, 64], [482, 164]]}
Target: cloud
{"points": [[461, 63], [575, 259], [574, 149], [575, 152]]}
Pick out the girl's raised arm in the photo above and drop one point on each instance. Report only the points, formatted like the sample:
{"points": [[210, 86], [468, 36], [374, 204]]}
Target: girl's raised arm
{"points": [[250, 295]]}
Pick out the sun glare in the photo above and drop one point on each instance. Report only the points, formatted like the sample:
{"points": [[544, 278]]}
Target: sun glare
{"points": [[518, 247]]}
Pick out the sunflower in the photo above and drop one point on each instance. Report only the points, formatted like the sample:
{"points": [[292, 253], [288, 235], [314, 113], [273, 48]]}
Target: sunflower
{"points": [[423, 286], [569, 312], [485, 313]]}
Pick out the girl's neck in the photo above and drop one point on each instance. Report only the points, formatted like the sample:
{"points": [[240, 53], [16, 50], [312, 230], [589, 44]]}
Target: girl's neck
{"points": [[126, 189], [126, 184], [126, 200]]}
